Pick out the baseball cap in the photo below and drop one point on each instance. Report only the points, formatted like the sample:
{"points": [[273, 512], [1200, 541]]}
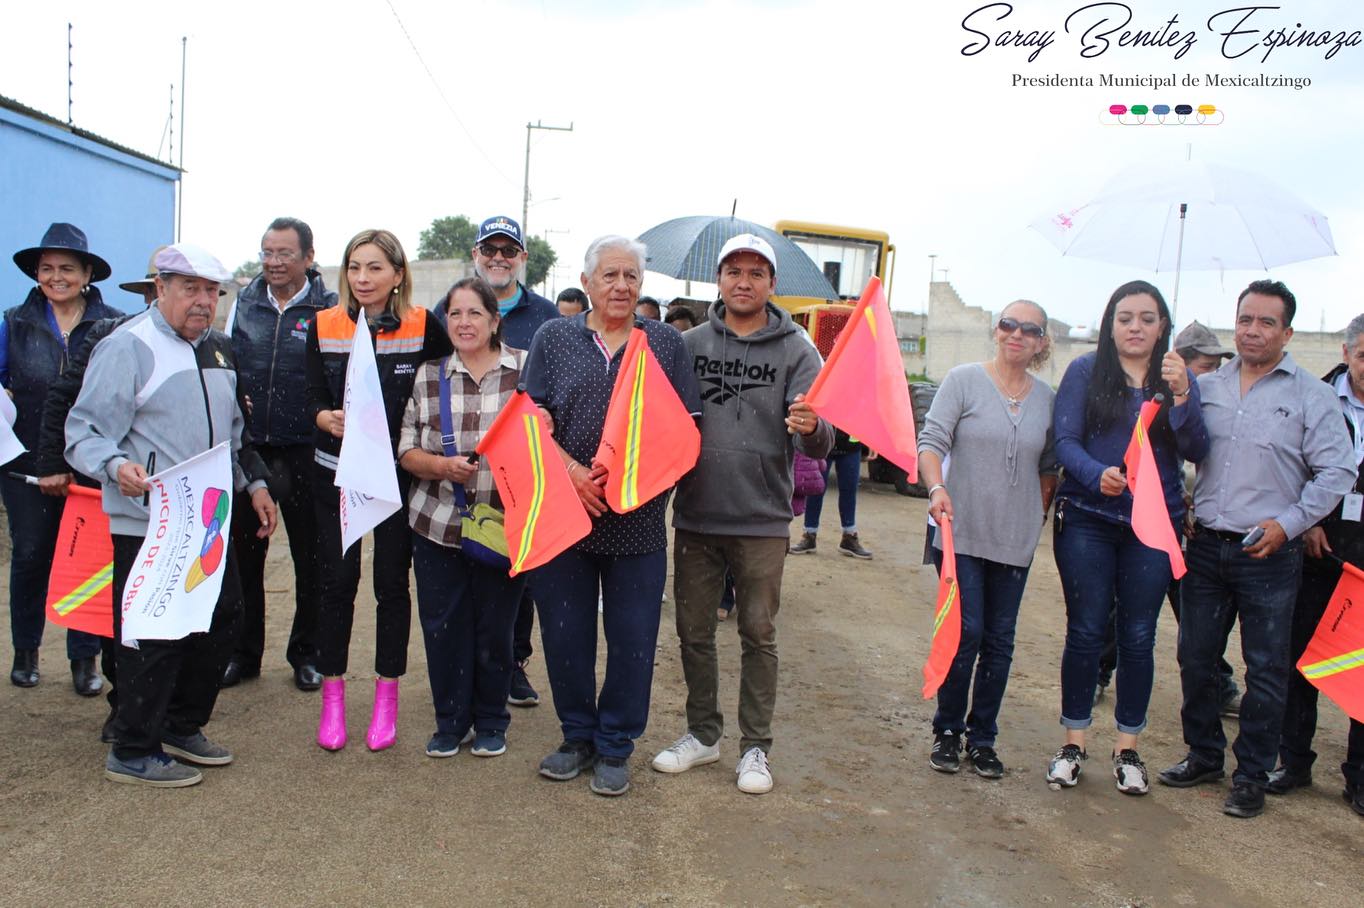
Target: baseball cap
{"points": [[1200, 338], [503, 225], [191, 261], [747, 242]]}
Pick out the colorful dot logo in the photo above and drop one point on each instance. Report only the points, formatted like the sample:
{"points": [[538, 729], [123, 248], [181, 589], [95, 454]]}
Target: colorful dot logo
{"points": [[214, 513], [1163, 115]]}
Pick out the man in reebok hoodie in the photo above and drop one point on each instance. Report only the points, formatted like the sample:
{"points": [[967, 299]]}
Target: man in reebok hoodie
{"points": [[733, 510]]}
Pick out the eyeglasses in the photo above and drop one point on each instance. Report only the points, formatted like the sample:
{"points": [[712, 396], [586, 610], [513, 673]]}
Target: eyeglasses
{"points": [[1029, 329], [284, 258], [491, 250]]}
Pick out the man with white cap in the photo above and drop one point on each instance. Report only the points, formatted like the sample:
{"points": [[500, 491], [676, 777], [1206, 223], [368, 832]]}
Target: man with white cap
{"points": [[732, 512], [163, 385]]}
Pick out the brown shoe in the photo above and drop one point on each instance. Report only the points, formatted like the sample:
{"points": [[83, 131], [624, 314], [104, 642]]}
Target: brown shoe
{"points": [[851, 547], [805, 546]]}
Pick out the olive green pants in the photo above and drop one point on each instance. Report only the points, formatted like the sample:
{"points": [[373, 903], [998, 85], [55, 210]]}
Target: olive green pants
{"points": [[700, 561]]}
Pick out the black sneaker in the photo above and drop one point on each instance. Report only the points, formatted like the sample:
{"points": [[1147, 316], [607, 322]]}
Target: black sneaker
{"points": [[1246, 800], [521, 693], [985, 762], [1354, 796], [571, 758], [1283, 780], [851, 547], [946, 755]]}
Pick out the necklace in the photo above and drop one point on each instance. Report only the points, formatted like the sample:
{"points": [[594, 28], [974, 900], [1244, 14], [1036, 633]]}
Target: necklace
{"points": [[1015, 398]]}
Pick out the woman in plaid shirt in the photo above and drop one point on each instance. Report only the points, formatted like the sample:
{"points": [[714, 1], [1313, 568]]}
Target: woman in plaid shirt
{"points": [[467, 610]]}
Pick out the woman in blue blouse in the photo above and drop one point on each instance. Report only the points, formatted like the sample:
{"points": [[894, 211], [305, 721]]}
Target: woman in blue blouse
{"points": [[1097, 555]]}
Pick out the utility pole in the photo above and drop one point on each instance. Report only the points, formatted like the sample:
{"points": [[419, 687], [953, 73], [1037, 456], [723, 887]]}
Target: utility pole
{"points": [[525, 191], [68, 74], [180, 196], [932, 262]]}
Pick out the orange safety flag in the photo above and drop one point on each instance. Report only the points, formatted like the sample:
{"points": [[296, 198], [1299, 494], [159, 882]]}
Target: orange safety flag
{"points": [[946, 617], [80, 589], [862, 388], [649, 440], [1334, 659], [543, 513], [1150, 517]]}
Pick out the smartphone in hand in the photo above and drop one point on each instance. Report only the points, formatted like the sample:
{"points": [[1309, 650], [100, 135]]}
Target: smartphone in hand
{"points": [[1254, 536]]}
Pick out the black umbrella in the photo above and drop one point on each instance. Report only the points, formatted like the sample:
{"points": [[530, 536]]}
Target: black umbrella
{"points": [[687, 249]]}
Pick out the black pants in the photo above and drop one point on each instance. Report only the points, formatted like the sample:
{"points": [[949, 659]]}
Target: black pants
{"points": [[169, 686], [466, 611], [291, 485], [340, 575], [1319, 579], [525, 623]]}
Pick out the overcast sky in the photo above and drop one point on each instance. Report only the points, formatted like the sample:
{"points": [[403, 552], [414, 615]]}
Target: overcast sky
{"points": [[860, 113]]}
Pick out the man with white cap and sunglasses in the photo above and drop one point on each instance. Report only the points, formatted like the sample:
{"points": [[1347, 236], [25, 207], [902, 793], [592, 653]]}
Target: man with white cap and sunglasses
{"points": [[732, 512], [140, 400]]}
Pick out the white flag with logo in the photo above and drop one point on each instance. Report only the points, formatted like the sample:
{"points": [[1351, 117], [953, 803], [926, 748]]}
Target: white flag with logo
{"points": [[365, 473], [174, 584], [10, 445]]}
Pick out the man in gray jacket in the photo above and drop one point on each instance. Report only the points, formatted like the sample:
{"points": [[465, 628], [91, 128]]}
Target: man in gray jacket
{"points": [[733, 510], [164, 386]]}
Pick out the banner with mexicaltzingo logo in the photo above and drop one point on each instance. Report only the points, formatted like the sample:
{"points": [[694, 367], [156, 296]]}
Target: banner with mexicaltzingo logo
{"points": [[174, 584]]}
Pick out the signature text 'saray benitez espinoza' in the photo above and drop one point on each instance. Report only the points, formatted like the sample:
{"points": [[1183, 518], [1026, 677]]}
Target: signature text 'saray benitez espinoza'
{"points": [[1242, 32]]}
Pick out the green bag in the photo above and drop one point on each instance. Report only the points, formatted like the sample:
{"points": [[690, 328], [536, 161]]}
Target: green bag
{"points": [[482, 530]]}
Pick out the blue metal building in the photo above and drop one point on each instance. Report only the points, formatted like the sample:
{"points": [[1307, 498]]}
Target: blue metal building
{"points": [[49, 171]]}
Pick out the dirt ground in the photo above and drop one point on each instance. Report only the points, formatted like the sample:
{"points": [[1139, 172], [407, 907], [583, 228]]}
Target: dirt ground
{"points": [[856, 818]]}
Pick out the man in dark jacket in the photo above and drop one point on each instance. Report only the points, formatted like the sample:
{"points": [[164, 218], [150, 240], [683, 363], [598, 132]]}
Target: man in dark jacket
{"points": [[733, 510], [269, 328], [499, 258], [1339, 536]]}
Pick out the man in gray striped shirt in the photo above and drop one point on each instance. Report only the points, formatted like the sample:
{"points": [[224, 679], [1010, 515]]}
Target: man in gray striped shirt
{"points": [[1280, 460]]}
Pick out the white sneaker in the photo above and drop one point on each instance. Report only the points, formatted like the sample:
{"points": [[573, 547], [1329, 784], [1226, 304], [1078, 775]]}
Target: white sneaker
{"points": [[754, 776], [684, 753], [1064, 768], [1130, 773]]}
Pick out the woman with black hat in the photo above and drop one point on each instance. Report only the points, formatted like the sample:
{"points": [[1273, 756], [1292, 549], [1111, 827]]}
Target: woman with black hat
{"points": [[35, 338]]}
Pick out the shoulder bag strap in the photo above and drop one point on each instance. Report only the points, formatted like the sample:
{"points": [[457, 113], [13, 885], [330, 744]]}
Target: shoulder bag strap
{"points": [[447, 427]]}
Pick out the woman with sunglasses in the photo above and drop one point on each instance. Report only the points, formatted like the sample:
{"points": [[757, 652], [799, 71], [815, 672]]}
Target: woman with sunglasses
{"points": [[374, 283], [1097, 555], [993, 420]]}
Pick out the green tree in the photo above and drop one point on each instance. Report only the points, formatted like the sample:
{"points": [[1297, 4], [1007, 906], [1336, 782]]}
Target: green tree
{"points": [[540, 259], [247, 269], [448, 238]]}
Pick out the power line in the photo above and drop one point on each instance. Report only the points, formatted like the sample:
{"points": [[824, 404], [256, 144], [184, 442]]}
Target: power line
{"points": [[440, 91]]}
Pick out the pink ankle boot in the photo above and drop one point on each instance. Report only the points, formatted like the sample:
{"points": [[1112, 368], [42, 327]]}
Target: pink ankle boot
{"points": [[331, 727], [383, 729]]}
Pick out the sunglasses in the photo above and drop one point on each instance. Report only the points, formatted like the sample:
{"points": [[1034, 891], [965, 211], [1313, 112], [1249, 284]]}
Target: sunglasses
{"points": [[1029, 329], [490, 250]]}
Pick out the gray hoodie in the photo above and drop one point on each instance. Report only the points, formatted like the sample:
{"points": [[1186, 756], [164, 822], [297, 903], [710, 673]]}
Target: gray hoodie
{"points": [[742, 484], [149, 390]]}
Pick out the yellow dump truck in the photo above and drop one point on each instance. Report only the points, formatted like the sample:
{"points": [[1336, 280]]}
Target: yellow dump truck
{"points": [[849, 257]]}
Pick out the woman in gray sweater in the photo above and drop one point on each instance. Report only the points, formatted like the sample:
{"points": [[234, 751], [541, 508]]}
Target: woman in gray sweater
{"points": [[994, 420]]}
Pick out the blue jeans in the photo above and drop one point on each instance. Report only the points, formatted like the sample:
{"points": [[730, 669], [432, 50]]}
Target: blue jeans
{"points": [[1101, 561], [990, 596], [566, 593], [467, 612], [849, 468], [1262, 592], [34, 519]]}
